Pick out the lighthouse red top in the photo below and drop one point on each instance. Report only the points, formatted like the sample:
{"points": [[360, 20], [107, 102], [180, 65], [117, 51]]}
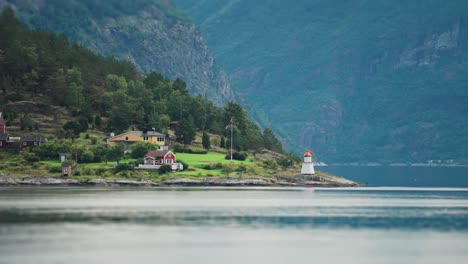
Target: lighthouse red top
{"points": [[308, 154]]}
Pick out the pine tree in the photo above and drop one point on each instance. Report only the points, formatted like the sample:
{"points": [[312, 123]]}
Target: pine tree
{"points": [[206, 142], [223, 143]]}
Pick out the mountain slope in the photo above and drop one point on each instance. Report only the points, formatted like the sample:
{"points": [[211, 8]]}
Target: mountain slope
{"points": [[150, 33], [357, 81]]}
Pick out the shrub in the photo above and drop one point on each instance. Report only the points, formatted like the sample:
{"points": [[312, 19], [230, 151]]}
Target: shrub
{"points": [[227, 170], [197, 151], [88, 171], [50, 150], [218, 166], [100, 171], [180, 149], [141, 148], [123, 167], [207, 167], [237, 156], [31, 157], [94, 140], [55, 169], [87, 156], [186, 165], [165, 169]]}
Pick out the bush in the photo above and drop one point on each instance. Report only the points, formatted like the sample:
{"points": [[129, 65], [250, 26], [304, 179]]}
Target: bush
{"points": [[186, 165], [55, 169], [88, 171], [50, 150], [123, 167], [100, 171], [180, 149], [218, 166], [237, 156], [197, 151], [31, 157], [141, 148], [87, 156], [207, 167], [165, 169], [227, 170]]}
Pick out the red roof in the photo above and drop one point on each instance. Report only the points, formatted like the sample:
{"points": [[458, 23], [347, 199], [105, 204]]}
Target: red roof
{"points": [[308, 154], [157, 153]]}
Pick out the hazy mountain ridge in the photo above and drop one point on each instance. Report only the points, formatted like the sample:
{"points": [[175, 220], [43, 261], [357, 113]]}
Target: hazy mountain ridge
{"points": [[151, 33], [354, 80]]}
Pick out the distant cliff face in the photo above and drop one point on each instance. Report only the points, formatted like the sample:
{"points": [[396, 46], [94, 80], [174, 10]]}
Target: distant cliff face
{"points": [[356, 81], [151, 33]]}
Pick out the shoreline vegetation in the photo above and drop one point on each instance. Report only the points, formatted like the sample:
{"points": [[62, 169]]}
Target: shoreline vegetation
{"points": [[319, 180]]}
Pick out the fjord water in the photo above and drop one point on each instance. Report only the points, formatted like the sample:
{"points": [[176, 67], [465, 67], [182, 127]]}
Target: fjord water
{"points": [[233, 225], [407, 176]]}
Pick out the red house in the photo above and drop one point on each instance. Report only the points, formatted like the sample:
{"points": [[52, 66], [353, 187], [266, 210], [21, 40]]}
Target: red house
{"points": [[160, 157]]}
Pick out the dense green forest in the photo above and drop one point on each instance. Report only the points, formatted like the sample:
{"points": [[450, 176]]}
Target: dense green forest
{"points": [[107, 93], [152, 34]]}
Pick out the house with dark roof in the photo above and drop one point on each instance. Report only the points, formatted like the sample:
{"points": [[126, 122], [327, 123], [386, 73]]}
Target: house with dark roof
{"points": [[32, 141], [132, 137], [5, 141]]}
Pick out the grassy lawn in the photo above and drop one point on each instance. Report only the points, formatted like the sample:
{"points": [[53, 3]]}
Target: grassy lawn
{"points": [[195, 161], [109, 164], [198, 160]]}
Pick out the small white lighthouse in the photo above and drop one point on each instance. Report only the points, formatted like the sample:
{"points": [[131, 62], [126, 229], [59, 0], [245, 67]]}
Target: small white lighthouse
{"points": [[308, 166]]}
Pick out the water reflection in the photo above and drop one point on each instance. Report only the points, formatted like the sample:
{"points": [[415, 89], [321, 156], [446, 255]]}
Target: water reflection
{"points": [[173, 225]]}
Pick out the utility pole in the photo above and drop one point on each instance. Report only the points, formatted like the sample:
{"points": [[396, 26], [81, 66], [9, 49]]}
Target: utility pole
{"points": [[230, 124], [231, 138]]}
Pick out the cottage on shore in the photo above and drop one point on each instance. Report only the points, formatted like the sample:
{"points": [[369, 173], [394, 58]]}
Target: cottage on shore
{"points": [[157, 158]]}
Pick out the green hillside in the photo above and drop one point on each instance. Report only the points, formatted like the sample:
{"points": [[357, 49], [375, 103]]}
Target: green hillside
{"points": [[150, 33], [50, 86], [356, 81]]}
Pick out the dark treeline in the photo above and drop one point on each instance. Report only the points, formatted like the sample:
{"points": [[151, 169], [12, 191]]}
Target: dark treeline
{"points": [[111, 93]]}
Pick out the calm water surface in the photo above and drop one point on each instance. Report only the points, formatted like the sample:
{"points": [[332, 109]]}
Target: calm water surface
{"points": [[254, 225], [409, 176]]}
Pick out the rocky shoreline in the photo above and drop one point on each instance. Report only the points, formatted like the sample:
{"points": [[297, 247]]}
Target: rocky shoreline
{"points": [[277, 181]]}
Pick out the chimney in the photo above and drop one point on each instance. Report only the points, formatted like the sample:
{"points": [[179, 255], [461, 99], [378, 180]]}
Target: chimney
{"points": [[112, 134]]}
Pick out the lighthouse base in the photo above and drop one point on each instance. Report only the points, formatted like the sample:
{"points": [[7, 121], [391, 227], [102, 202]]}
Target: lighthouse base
{"points": [[307, 169]]}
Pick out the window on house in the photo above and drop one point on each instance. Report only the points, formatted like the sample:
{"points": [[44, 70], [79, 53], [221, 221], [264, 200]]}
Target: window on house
{"points": [[35, 143], [126, 138], [25, 143], [145, 138]]}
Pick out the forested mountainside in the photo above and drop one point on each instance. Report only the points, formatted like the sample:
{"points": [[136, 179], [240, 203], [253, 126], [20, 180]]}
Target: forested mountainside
{"points": [[356, 81], [150, 33], [52, 87]]}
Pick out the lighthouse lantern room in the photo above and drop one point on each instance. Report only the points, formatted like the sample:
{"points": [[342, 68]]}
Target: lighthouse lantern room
{"points": [[308, 165]]}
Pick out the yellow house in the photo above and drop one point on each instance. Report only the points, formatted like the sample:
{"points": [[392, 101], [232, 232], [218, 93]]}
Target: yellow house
{"points": [[137, 136]]}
